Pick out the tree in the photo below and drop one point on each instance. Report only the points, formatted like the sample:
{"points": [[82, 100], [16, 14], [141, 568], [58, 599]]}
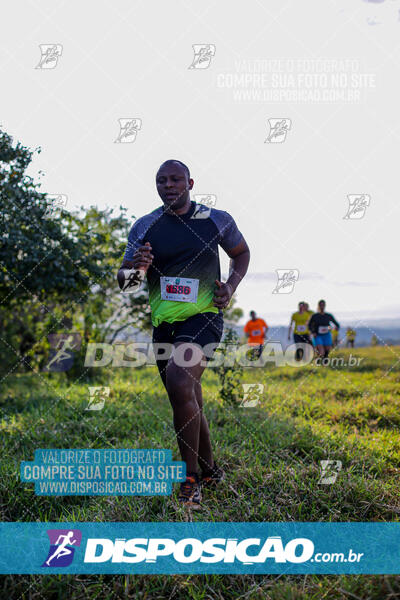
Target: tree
{"points": [[56, 273], [38, 256]]}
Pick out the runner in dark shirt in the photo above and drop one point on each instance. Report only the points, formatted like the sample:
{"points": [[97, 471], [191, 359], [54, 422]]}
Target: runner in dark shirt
{"points": [[320, 327], [177, 246]]}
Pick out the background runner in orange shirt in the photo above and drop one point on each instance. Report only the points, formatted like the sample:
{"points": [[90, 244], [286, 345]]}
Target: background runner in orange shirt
{"points": [[256, 330]]}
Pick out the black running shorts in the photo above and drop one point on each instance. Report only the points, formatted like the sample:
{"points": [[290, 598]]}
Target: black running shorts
{"points": [[302, 339], [202, 329]]}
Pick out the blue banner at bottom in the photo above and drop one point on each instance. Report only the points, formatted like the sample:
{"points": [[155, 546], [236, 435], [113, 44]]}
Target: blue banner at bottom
{"points": [[171, 548]]}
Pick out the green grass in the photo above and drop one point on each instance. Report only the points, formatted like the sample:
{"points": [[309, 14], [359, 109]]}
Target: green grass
{"points": [[271, 454]]}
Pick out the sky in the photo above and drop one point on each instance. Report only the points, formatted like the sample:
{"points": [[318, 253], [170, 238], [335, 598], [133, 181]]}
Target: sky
{"points": [[290, 119]]}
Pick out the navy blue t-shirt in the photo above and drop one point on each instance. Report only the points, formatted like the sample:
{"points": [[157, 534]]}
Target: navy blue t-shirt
{"points": [[185, 250]]}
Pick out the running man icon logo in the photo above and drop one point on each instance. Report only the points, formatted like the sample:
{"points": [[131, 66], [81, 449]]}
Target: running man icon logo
{"points": [[133, 280], [329, 471], [286, 280], [201, 212], [357, 206], [55, 202], [203, 54], [62, 547], [128, 129], [98, 397], [50, 54], [278, 129], [62, 350], [252, 393], [206, 199]]}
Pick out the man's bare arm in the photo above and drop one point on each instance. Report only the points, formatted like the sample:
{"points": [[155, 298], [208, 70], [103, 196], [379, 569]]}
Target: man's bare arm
{"points": [[240, 258]]}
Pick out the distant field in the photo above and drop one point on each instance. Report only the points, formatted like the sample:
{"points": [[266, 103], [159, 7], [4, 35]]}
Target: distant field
{"points": [[271, 454]]}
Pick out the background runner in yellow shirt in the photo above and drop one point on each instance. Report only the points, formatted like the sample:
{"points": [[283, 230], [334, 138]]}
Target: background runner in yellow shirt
{"points": [[301, 334], [350, 337]]}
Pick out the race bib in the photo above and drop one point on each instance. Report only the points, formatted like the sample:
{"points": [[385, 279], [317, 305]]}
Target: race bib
{"points": [[179, 289], [301, 328], [255, 332], [323, 329]]}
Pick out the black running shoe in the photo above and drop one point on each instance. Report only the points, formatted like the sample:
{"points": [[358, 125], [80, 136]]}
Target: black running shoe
{"points": [[212, 478], [190, 492]]}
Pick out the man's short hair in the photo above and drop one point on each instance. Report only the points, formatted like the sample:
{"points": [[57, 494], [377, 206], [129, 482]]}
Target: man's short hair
{"points": [[172, 160]]}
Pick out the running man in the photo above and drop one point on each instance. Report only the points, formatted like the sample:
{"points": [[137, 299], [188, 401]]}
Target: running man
{"points": [[301, 334], [177, 246], [62, 549], [350, 337], [320, 327], [255, 331], [63, 352]]}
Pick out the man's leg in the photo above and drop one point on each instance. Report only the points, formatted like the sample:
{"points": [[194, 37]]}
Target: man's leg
{"points": [[195, 405], [163, 334], [299, 351], [205, 458], [181, 382], [298, 339], [325, 359], [184, 389]]}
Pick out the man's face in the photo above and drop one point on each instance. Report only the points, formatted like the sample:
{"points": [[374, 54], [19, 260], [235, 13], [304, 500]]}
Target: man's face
{"points": [[173, 185], [253, 315], [321, 305]]}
